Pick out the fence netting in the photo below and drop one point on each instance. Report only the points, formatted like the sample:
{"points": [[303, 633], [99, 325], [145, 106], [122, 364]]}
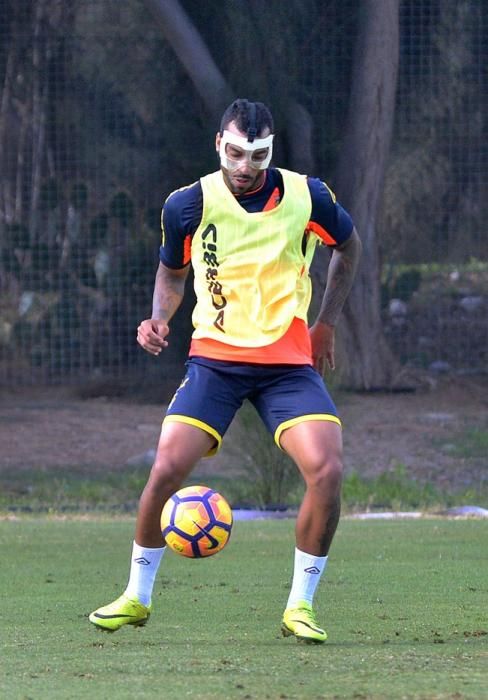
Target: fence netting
{"points": [[99, 122]]}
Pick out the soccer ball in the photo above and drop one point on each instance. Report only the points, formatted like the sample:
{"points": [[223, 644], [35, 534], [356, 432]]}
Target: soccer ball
{"points": [[196, 522]]}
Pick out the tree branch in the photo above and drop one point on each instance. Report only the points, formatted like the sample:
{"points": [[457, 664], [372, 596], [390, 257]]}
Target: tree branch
{"points": [[191, 50]]}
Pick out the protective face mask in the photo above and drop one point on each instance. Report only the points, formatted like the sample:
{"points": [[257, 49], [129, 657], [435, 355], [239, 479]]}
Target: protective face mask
{"points": [[235, 150]]}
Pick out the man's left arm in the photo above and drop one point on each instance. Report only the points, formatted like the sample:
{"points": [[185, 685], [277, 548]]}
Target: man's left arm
{"points": [[341, 273]]}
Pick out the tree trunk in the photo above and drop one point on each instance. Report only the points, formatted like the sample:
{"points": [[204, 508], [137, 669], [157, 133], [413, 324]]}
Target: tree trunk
{"points": [[299, 133], [213, 88], [188, 45], [5, 189], [366, 360], [40, 55]]}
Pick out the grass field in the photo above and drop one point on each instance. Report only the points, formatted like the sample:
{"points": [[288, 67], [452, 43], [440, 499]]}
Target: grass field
{"points": [[405, 604]]}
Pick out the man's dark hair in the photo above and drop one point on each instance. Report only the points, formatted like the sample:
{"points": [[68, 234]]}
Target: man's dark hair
{"points": [[250, 117]]}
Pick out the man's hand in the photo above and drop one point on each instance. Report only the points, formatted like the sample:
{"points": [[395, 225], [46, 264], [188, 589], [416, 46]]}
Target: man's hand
{"points": [[151, 335], [322, 337]]}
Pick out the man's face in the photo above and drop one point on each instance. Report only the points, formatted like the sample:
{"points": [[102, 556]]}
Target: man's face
{"points": [[245, 174]]}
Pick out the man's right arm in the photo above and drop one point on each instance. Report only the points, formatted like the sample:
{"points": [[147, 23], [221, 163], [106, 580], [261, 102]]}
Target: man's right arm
{"points": [[169, 289], [181, 216]]}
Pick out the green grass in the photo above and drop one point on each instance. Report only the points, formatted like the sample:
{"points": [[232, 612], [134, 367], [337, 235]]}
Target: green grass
{"points": [[433, 279], [396, 490], [79, 490], [470, 444], [74, 489], [405, 604]]}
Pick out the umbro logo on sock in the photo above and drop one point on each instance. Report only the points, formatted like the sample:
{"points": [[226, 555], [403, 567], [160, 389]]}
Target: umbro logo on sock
{"points": [[312, 570], [142, 561]]}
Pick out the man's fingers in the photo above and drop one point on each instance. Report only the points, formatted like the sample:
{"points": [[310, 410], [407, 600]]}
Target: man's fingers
{"points": [[152, 339], [149, 339], [331, 361], [318, 363], [153, 347]]}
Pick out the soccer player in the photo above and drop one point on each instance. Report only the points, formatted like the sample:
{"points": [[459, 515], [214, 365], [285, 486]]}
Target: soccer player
{"points": [[249, 231]]}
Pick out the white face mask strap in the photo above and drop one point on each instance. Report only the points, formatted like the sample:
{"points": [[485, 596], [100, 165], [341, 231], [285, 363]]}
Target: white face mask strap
{"points": [[248, 147]]}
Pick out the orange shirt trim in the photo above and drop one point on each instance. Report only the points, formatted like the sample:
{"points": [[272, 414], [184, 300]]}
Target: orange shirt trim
{"points": [[293, 348], [187, 250], [321, 233]]}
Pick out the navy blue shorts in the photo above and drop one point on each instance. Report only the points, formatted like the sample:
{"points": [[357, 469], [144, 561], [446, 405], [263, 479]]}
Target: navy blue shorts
{"points": [[212, 391]]}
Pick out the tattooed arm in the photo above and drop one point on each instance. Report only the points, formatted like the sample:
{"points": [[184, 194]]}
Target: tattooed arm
{"points": [[342, 269], [169, 289]]}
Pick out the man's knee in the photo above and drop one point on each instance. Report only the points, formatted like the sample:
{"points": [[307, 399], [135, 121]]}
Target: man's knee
{"points": [[167, 473], [326, 475]]}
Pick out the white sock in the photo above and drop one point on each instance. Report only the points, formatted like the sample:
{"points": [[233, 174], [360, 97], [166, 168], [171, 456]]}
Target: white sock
{"points": [[306, 576], [143, 569]]}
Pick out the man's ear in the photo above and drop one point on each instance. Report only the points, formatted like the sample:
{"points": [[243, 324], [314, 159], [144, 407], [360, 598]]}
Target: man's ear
{"points": [[217, 141]]}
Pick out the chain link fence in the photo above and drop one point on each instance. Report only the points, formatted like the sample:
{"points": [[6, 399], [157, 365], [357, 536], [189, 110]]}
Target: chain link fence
{"points": [[98, 123]]}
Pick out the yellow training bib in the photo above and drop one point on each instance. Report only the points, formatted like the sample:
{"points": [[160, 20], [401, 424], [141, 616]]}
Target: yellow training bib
{"points": [[251, 276]]}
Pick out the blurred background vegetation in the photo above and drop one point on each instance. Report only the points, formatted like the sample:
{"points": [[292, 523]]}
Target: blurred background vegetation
{"points": [[100, 121]]}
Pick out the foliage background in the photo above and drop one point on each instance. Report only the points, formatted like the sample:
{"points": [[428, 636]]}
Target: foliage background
{"points": [[99, 122]]}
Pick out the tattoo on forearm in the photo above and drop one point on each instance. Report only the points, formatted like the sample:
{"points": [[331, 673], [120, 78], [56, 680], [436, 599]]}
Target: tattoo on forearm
{"points": [[342, 269], [168, 294]]}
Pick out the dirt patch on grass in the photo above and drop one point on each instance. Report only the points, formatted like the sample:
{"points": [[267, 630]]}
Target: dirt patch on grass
{"points": [[437, 433], [440, 435]]}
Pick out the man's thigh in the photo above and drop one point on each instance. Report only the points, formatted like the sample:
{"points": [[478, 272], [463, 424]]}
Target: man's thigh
{"points": [[314, 445], [294, 396], [206, 399]]}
